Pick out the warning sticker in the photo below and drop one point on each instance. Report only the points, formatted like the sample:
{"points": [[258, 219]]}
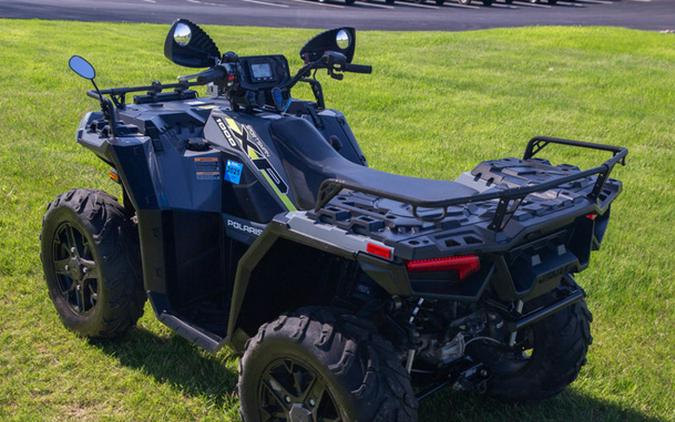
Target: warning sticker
{"points": [[207, 168], [206, 159], [233, 171], [208, 175]]}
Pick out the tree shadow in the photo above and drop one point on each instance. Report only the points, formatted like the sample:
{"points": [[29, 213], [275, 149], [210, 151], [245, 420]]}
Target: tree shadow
{"points": [[175, 361]]}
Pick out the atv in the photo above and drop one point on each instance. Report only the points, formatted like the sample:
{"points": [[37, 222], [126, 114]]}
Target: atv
{"points": [[250, 219]]}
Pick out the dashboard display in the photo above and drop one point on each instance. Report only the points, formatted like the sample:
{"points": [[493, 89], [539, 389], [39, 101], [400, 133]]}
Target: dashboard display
{"points": [[261, 71], [257, 75]]}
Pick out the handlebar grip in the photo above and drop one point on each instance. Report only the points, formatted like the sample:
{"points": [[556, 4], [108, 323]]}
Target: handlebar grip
{"points": [[93, 94], [357, 68], [210, 75]]}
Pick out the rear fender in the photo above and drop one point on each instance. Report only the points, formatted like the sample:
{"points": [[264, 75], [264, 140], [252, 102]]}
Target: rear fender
{"points": [[292, 265], [279, 272]]}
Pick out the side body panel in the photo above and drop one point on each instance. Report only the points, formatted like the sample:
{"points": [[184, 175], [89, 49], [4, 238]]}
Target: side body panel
{"points": [[204, 181]]}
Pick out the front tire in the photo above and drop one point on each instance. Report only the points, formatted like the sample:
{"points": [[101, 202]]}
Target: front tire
{"points": [[91, 263], [321, 363], [559, 346]]}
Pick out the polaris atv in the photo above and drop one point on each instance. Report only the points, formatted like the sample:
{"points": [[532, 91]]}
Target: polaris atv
{"points": [[250, 219]]}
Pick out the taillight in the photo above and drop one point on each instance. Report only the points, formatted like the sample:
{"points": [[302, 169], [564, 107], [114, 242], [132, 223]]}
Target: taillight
{"points": [[592, 216], [464, 265], [380, 250]]}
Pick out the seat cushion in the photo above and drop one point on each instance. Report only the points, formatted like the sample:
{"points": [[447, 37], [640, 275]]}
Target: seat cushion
{"points": [[309, 160]]}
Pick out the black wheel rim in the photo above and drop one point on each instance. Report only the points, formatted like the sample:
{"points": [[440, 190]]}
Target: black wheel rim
{"points": [[76, 271], [290, 392]]}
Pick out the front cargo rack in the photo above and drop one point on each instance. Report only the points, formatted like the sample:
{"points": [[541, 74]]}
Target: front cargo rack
{"points": [[509, 199]]}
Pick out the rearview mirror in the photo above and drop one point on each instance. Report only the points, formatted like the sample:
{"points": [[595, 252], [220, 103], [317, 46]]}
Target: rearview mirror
{"points": [[340, 40], [190, 46], [82, 67]]}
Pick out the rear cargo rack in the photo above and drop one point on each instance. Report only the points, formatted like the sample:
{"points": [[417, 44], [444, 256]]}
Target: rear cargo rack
{"points": [[509, 200]]}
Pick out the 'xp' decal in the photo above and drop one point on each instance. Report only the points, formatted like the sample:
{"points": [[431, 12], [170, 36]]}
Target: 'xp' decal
{"points": [[244, 137]]}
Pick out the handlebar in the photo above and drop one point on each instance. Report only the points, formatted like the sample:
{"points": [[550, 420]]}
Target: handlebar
{"points": [[331, 61], [334, 62], [210, 75]]}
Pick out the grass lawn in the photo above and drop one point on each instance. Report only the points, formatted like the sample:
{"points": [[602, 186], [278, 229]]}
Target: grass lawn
{"points": [[437, 104]]}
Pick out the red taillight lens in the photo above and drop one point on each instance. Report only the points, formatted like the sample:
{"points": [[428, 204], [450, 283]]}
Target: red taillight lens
{"points": [[592, 216], [465, 265], [379, 250]]}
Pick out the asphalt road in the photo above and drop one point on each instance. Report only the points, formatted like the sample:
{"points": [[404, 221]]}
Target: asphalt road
{"points": [[373, 14]]}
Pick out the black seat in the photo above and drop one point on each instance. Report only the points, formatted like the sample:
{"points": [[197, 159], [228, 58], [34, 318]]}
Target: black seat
{"points": [[309, 160]]}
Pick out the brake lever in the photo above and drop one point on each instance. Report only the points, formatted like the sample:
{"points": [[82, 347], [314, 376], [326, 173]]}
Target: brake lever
{"points": [[333, 74]]}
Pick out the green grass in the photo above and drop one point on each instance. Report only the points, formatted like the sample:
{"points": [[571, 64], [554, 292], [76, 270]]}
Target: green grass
{"points": [[437, 104]]}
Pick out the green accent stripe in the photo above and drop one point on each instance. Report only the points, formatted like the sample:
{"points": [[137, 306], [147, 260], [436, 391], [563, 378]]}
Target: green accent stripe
{"points": [[284, 198]]}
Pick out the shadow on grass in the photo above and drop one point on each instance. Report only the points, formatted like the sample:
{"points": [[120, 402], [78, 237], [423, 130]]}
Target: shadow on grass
{"points": [[175, 361], [569, 406]]}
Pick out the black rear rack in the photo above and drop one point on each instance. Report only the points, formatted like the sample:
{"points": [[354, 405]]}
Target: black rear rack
{"points": [[505, 209]]}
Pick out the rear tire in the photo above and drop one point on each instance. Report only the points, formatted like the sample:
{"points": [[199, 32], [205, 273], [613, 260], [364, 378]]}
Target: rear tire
{"points": [[560, 345], [360, 376], [91, 263]]}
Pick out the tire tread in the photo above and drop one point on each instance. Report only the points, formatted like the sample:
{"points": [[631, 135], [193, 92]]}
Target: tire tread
{"points": [[366, 364], [115, 238]]}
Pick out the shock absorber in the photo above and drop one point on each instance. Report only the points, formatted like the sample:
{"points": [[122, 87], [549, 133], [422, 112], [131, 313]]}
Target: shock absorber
{"points": [[411, 321]]}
